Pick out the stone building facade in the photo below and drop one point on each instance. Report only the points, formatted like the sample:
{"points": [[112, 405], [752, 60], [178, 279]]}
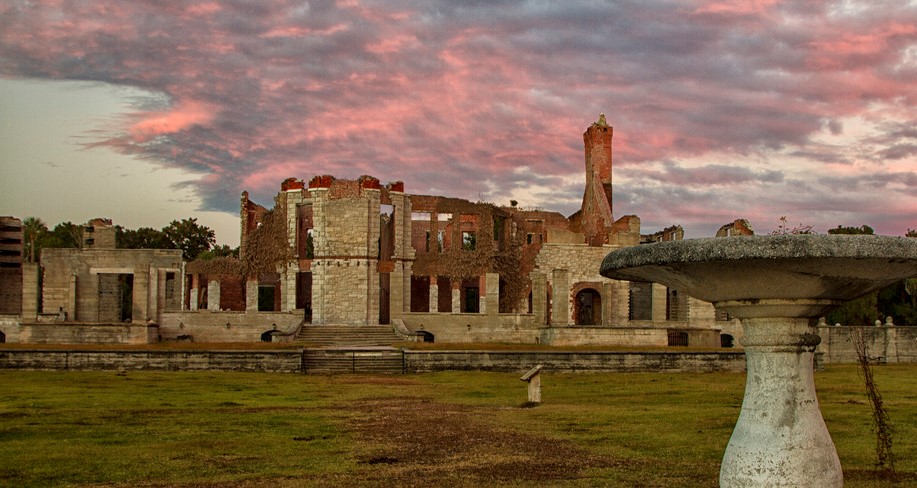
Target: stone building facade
{"points": [[97, 293], [361, 253], [449, 269], [11, 247]]}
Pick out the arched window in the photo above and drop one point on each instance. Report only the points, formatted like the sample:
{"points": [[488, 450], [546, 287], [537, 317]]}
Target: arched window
{"points": [[588, 307]]}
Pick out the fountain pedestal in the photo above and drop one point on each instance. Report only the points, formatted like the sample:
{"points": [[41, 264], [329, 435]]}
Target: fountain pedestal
{"points": [[780, 433], [777, 285]]}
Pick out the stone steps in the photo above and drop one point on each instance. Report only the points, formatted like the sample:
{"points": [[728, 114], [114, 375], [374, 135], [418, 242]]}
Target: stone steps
{"points": [[347, 335], [370, 360]]}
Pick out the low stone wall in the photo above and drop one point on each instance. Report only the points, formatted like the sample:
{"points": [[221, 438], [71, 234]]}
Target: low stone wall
{"points": [[414, 361], [209, 326], [9, 327], [578, 361], [890, 344], [621, 336], [261, 361], [80, 333], [471, 327]]}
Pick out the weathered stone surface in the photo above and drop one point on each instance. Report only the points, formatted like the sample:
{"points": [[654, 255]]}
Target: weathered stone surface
{"points": [[261, 361], [830, 267]]}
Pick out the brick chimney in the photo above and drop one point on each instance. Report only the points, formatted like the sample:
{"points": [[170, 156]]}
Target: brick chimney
{"points": [[597, 217]]}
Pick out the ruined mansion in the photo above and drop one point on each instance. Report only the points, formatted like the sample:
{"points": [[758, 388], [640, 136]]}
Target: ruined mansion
{"points": [[338, 252]]}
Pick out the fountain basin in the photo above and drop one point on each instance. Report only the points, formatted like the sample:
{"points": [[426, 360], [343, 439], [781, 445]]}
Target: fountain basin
{"points": [[803, 275]]}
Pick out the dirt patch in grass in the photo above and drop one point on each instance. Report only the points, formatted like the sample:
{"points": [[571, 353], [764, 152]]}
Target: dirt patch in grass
{"points": [[420, 442]]}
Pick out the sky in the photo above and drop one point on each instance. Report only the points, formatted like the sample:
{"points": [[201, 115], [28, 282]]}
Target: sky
{"points": [[147, 111]]}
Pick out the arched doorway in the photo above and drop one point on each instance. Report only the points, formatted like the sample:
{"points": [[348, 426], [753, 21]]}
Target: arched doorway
{"points": [[588, 307]]}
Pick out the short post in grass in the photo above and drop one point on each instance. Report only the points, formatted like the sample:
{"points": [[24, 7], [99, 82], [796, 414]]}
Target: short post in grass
{"points": [[533, 378]]}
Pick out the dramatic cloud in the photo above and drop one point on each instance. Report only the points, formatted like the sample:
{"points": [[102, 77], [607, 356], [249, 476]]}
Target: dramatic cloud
{"points": [[721, 109]]}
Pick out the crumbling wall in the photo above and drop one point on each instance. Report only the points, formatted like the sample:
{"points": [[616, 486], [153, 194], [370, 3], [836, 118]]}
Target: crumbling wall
{"points": [[673, 233], [99, 233], [500, 246], [11, 241], [738, 227], [582, 263], [72, 278]]}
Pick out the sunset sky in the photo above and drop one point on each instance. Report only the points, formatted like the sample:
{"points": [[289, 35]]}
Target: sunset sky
{"points": [[149, 111]]}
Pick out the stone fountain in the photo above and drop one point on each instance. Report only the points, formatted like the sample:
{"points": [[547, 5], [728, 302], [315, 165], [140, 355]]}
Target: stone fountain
{"points": [[777, 285]]}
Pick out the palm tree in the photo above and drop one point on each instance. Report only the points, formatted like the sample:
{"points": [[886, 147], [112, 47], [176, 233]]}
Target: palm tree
{"points": [[34, 229]]}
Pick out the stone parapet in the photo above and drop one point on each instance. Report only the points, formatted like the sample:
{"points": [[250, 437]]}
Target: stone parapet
{"points": [[574, 361], [253, 361]]}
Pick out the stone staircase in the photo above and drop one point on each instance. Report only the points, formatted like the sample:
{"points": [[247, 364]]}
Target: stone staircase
{"points": [[353, 360], [343, 349], [346, 335]]}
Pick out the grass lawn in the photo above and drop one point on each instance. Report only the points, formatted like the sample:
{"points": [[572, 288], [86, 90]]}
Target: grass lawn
{"points": [[444, 429]]}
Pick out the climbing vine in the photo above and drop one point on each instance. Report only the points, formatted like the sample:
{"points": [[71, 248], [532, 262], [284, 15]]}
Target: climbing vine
{"points": [[268, 246]]}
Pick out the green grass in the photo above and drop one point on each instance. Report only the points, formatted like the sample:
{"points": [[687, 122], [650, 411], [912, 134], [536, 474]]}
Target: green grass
{"points": [[443, 429]]}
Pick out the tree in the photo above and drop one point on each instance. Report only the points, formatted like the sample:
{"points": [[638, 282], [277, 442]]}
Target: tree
{"points": [[861, 230], [34, 231], [859, 311], [189, 236], [64, 234], [221, 251], [142, 238], [911, 233]]}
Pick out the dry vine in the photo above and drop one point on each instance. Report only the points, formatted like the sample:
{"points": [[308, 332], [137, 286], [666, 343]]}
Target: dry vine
{"points": [[882, 425], [268, 246]]}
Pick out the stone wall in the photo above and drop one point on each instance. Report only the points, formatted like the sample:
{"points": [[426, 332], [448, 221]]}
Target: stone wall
{"points": [[471, 327], [82, 333], [584, 361], [9, 327], [11, 290], [74, 279], [414, 361], [260, 361], [582, 264], [207, 326], [889, 344], [621, 336]]}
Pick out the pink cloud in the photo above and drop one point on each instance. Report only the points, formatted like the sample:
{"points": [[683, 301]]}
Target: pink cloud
{"points": [[180, 117], [446, 95]]}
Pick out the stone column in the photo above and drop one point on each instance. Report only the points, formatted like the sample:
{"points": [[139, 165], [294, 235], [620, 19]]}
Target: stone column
{"points": [[251, 295], [30, 272], [140, 301], [491, 303], [620, 312], [456, 296], [213, 295], [780, 438], [195, 284], [658, 302], [434, 295], [539, 297], [153, 293], [71, 299], [609, 303], [287, 286], [397, 293], [560, 310]]}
